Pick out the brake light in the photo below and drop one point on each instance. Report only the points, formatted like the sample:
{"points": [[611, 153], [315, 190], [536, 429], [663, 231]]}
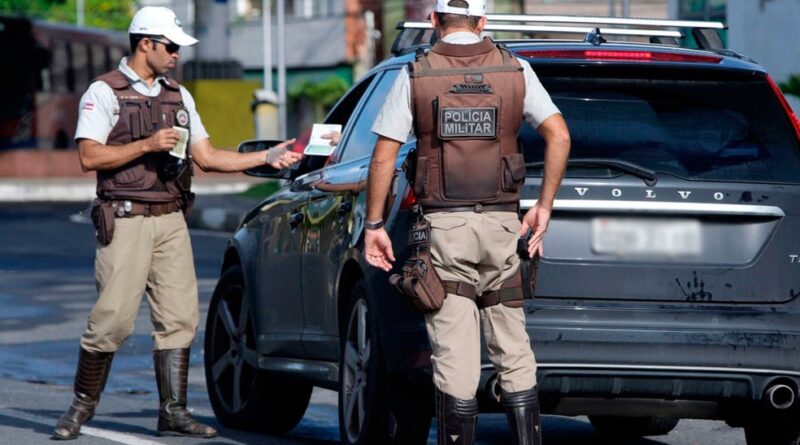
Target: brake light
{"points": [[629, 56], [786, 107], [409, 200]]}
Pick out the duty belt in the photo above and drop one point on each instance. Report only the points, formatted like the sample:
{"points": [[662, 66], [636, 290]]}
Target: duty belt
{"points": [[477, 208], [126, 208]]}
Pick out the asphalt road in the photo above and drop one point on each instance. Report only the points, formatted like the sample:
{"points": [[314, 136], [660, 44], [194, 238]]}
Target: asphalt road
{"points": [[46, 292]]}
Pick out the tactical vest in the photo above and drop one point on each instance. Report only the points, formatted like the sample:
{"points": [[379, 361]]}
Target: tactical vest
{"points": [[467, 102], [153, 177]]}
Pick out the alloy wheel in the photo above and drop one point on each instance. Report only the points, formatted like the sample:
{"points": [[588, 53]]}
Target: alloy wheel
{"points": [[234, 357], [356, 363]]}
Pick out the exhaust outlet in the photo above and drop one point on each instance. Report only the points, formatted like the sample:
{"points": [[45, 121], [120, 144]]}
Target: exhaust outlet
{"points": [[780, 396]]}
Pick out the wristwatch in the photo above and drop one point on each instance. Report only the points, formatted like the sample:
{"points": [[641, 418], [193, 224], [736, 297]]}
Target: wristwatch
{"points": [[373, 225]]}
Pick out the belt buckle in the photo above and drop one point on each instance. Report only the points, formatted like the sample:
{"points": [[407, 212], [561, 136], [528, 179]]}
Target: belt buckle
{"points": [[478, 208]]}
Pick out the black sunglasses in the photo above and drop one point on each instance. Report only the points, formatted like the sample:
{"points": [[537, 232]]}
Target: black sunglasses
{"points": [[171, 47]]}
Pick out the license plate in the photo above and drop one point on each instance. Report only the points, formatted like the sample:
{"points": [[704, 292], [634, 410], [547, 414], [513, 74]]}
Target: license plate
{"points": [[651, 237]]}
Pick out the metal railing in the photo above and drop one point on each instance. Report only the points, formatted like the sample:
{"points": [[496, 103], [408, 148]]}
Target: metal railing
{"points": [[706, 34]]}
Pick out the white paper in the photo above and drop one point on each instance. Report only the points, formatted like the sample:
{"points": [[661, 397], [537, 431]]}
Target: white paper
{"points": [[179, 150], [318, 146]]}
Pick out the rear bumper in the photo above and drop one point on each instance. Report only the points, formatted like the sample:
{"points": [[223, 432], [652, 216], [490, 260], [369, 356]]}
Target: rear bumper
{"points": [[703, 362]]}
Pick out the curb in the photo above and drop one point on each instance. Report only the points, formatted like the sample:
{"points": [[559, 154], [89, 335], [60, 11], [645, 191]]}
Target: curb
{"points": [[78, 190], [215, 219]]}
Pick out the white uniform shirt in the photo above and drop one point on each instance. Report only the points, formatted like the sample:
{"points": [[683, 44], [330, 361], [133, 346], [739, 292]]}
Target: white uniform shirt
{"points": [[98, 112], [395, 118]]}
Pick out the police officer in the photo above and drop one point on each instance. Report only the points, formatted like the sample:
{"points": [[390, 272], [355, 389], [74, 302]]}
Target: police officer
{"points": [[125, 131], [465, 100]]}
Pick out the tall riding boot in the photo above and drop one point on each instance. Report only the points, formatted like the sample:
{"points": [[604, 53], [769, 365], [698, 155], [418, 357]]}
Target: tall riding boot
{"points": [[456, 419], [172, 371], [90, 379], [522, 410]]}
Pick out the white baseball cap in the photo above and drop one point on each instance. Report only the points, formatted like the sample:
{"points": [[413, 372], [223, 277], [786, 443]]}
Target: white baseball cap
{"points": [[160, 21], [477, 8]]}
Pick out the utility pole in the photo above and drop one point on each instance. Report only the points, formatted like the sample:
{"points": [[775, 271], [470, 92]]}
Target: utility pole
{"points": [[626, 8], [282, 114], [265, 106], [80, 14]]}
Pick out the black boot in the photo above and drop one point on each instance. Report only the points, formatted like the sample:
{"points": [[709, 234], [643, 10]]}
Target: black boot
{"points": [[172, 371], [522, 410], [90, 379], [456, 419]]}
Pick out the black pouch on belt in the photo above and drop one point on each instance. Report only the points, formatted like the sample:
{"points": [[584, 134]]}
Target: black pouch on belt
{"points": [[528, 266], [419, 281], [103, 220]]}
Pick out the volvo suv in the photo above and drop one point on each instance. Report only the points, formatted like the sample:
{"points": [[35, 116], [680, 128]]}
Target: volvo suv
{"points": [[668, 287]]}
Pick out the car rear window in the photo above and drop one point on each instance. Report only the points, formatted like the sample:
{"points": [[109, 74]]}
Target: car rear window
{"points": [[697, 129]]}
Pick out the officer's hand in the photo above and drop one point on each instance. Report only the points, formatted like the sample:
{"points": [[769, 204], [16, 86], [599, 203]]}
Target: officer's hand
{"points": [[163, 140], [536, 219], [280, 157], [378, 249]]}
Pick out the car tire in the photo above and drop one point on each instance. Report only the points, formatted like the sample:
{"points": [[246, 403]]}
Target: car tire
{"points": [[243, 396], [367, 414], [633, 426], [773, 428]]}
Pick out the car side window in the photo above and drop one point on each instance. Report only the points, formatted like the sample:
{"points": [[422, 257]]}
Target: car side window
{"points": [[342, 113], [359, 140]]}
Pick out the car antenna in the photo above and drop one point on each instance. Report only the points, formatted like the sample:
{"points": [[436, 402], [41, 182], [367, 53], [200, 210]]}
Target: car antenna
{"points": [[595, 37]]}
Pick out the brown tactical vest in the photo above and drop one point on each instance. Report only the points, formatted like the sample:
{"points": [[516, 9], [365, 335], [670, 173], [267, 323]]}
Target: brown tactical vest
{"points": [[467, 102], [145, 179]]}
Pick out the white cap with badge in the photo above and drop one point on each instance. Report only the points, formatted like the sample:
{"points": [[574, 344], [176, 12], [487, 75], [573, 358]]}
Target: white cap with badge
{"points": [[160, 21], [477, 8]]}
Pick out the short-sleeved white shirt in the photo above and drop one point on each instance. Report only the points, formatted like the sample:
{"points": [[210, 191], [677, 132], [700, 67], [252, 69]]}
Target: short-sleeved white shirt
{"points": [[395, 118], [98, 111]]}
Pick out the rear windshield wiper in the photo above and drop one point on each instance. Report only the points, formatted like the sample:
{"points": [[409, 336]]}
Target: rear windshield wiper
{"points": [[649, 176]]}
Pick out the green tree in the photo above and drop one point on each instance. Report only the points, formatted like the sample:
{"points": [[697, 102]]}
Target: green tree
{"points": [[107, 14], [322, 95], [792, 85]]}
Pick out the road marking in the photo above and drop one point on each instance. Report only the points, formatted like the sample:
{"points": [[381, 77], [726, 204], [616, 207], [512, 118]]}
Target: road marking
{"points": [[114, 436], [211, 233], [126, 439], [79, 219]]}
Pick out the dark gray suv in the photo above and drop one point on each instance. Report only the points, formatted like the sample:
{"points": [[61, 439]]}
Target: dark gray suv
{"points": [[669, 283]]}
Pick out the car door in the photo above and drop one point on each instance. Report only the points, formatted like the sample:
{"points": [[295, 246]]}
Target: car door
{"points": [[279, 279], [329, 214]]}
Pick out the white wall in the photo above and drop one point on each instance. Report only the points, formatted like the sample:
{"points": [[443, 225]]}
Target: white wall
{"points": [[769, 32]]}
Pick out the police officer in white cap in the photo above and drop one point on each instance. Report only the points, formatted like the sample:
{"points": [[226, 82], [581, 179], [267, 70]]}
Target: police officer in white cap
{"points": [[464, 100], [130, 120]]}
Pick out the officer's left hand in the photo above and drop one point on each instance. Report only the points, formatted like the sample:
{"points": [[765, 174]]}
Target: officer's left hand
{"points": [[378, 249], [536, 219], [279, 157]]}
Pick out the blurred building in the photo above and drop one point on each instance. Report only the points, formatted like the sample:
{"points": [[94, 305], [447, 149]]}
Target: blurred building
{"points": [[765, 30]]}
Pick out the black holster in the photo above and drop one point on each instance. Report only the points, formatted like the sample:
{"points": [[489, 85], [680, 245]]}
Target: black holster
{"points": [[419, 280], [103, 220], [528, 267]]}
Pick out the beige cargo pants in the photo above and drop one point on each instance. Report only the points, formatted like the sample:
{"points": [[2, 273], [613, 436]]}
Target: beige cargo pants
{"points": [[480, 249], [150, 255]]}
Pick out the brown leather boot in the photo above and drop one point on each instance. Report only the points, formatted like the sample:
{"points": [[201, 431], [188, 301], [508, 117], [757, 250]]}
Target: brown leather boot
{"points": [[90, 379], [172, 371]]}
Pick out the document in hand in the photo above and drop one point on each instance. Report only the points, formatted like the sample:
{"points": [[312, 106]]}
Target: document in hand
{"points": [[179, 151], [318, 146]]}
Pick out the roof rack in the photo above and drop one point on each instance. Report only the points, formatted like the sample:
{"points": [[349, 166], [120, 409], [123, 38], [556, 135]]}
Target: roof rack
{"points": [[706, 34]]}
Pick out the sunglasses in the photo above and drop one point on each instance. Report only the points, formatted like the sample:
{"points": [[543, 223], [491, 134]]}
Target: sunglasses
{"points": [[171, 47]]}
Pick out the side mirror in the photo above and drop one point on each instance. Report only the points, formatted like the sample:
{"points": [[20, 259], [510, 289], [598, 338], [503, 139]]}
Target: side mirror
{"points": [[263, 171]]}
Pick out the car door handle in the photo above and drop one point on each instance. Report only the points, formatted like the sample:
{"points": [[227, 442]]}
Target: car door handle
{"points": [[344, 208], [295, 219]]}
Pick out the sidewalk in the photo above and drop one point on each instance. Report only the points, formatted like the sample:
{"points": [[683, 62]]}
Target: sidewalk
{"points": [[218, 205]]}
